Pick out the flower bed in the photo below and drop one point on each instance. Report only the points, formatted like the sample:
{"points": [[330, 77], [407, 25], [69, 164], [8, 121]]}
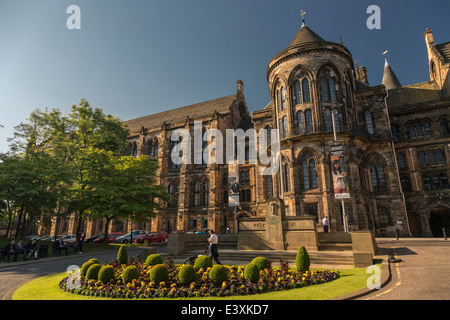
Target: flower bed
{"points": [[270, 279]]}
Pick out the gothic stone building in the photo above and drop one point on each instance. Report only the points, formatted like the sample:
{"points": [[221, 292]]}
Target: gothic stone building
{"points": [[396, 142]]}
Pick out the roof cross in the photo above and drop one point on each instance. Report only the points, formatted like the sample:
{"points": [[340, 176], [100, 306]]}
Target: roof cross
{"points": [[302, 13]]}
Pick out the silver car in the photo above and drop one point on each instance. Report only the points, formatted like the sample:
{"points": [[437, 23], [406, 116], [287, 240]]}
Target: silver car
{"points": [[127, 237]]}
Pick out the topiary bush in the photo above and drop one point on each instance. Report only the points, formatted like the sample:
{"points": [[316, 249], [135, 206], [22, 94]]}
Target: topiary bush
{"points": [[84, 268], [153, 259], [187, 274], [302, 260], [218, 274], [95, 260], [106, 274], [122, 255], [203, 262], [251, 272], [129, 274], [261, 262], [92, 272], [159, 273]]}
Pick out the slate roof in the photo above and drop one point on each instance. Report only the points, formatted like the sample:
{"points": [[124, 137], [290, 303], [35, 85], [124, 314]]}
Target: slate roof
{"points": [[413, 94], [305, 35], [390, 80], [444, 50], [194, 111]]}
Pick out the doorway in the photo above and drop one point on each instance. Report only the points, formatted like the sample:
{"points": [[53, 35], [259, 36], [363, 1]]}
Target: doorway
{"points": [[439, 218]]}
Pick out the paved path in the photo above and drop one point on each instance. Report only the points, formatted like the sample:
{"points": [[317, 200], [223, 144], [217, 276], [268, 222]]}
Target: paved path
{"points": [[423, 273]]}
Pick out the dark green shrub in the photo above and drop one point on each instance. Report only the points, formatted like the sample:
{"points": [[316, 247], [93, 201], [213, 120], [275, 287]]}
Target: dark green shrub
{"points": [[218, 274], [203, 262], [261, 262], [129, 274], [159, 273], [153, 259], [122, 255], [302, 260], [92, 272], [106, 273], [251, 272], [84, 268], [187, 274], [95, 260]]}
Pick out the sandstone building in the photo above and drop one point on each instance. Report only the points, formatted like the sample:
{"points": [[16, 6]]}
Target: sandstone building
{"points": [[396, 141]]}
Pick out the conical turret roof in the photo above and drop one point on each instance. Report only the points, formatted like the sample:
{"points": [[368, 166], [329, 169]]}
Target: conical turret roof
{"points": [[390, 80], [305, 35]]}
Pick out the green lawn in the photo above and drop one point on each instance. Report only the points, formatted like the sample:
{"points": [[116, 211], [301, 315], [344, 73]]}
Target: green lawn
{"points": [[351, 280]]}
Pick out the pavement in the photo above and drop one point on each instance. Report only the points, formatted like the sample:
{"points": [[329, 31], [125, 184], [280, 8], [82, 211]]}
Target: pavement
{"points": [[420, 273]]}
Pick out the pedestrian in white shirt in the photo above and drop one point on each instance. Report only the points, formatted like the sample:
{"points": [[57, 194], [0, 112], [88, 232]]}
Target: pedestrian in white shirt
{"points": [[213, 250], [325, 224]]}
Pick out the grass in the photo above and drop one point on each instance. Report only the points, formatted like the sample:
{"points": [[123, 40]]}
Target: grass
{"points": [[351, 280]]}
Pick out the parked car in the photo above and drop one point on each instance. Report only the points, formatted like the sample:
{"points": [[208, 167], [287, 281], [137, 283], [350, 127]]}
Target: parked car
{"points": [[111, 237], [127, 237], [202, 231], [43, 238], [91, 239], [70, 238], [152, 237]]}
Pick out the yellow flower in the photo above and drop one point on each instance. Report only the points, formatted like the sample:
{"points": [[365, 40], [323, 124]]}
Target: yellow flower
{"points": [[162, 284], [173, 285], [280, 279], [224, 285]]}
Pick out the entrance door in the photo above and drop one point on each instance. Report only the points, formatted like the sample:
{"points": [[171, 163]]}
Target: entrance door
{"points": [[439, 218]]}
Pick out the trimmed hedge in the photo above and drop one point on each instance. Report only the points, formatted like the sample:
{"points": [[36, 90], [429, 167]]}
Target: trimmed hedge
{"points": [[129, 274], [261, 262], [84, 268], [106, 274], [218, 274], [122, 255], [203, 262], [159, 273], [153, 259], [302, 260], [92, 272], [187, 274], [251, 272]]}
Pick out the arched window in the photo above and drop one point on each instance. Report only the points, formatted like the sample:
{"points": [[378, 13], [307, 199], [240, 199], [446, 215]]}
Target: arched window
{"points": [[309, 172], [445, 126], [347, 96], [285, 127], [197, 193], [325, 90], [337, 122], [301, 122], [328, 120], [269, 193], [174, 191], [283, 98], [297, 92], [369, 122], [205, 192], [306, 92], [285, 173], [401, 160], [422, 159], [278, 101], [332, 89], [427, 129], [419, 130], [308, 121], [440, 156], [377, 176], [394, 131]]}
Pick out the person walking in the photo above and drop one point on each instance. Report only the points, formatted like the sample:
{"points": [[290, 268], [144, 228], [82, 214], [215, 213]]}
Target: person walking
{"points": [[81, 241], [325, 224], [213, 249]]}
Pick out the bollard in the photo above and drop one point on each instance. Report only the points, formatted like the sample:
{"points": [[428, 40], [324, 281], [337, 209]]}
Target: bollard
{"points": [[445, 235]]}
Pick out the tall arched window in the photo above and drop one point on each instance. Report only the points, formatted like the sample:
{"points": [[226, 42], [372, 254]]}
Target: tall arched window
{"points": [[285, 127], [369, 121], [377, 176], [309, 172], [309, 121], [427, 129], [337, 122], [285, 173], [301, 122], [269, 193], [283, 98], [197, 191], [401, 160], [297, 92], [394, 130], [205, 192], [445, 126], [306, 92], [174, 191], [328, 120], [332, 89], [325, 90], [278, 100]]}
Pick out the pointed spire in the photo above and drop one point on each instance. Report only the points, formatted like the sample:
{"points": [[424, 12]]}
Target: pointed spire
{"points": [[390, 80], [302, 13]]}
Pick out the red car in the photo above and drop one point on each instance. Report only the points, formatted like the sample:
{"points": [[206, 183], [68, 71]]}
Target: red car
{"points": [[111, 238], [152, 237]]}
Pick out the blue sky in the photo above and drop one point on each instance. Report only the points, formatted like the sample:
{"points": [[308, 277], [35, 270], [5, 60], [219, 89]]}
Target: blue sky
{"points": [[137, 57]]}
